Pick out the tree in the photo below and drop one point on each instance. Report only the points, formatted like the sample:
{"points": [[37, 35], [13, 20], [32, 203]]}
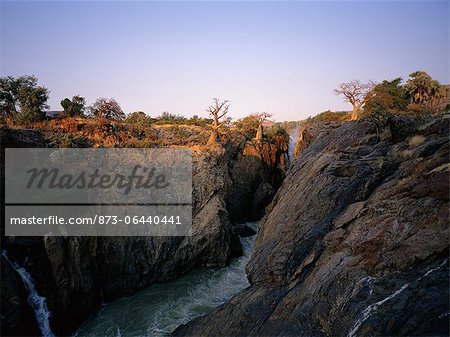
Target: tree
{"points": [[139, 118], [387, 96], [423, 91], [75, 107], [356, 93], [22, 99], [218, 109], [261, 117], [247, 126], [329, 116], [170, 117], [107, 108]]}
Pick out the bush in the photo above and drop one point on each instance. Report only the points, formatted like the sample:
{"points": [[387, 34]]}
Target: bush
{"points": [[139, 119], [276, 131], [62, 140], [167, 117], [330, 116]]}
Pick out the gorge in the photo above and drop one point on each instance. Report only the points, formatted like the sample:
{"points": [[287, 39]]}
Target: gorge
{"points": [[77, 274], [354, 243]]}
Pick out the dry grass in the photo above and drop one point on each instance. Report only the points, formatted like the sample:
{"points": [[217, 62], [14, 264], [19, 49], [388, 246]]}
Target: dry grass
{"points": [[407, 154], [416, 140], [404, 181]]}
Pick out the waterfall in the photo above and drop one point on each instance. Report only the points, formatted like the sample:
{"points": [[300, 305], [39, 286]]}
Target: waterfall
{"points": [[293, 136], [37, 303], [371, 309]]}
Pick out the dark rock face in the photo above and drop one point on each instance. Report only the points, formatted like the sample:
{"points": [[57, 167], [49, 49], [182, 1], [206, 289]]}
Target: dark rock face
{"points": [[261, 198], [77, 274], [256, 174], [244, 230], [355, 242], [246, 172]]}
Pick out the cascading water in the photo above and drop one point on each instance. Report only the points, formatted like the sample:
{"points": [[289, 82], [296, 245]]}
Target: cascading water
{"points": [[293, 135], [37, 303], [159, 309]]}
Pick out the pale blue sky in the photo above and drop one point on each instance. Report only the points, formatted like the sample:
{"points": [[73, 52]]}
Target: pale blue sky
{"points": [[282, 57]]}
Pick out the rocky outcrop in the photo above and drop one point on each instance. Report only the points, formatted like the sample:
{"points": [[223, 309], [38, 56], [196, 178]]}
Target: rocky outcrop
{"points": [[355, 242], [256, 174], [310, 132], [273, 152]]}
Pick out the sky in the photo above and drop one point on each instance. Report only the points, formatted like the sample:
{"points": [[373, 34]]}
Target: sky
{"points": [[281, 57]]}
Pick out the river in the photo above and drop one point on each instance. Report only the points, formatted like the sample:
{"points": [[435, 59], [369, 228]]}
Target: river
{"points": [[159, 309]]}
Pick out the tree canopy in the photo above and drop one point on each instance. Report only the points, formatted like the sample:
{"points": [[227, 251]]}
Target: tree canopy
{"points": [[74, 107], [249, 125], [388, 96], [424, 91], [22, 99], [139, 118], [107, 108], [356, 93]]}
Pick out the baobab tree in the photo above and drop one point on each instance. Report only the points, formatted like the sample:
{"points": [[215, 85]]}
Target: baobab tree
{"points": [[218, 109], [261, 117], [356, 93]]}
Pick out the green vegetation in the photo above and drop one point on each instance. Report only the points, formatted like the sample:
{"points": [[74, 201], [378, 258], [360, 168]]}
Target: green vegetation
{"points": [[388, 96], [329, 116], [170, 117], [421, 94], [425, 94], [62, 140], [22, 100], [251, 126], [277, 130], [139, 119], [74, 107]]}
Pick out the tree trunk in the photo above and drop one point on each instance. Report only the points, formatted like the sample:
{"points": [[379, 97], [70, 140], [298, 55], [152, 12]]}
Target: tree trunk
{"points": [[355, 113], [212, 137], [259, 133]]}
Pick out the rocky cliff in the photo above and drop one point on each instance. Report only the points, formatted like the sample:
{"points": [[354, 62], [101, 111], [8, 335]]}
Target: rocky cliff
{"points": [[77, 274], [355, 242], [256, 175]]}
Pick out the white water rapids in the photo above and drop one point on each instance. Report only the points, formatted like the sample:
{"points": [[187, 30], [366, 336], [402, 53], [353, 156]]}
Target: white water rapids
{"points": [[159, 309], [37, 302]]}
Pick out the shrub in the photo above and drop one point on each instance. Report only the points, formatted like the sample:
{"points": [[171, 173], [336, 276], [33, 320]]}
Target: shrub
{"points": [[330, 116], [60, 139]]}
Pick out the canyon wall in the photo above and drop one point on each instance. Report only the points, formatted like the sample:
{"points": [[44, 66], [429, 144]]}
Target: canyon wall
{"points": [[77, 274], [355, 242]]}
